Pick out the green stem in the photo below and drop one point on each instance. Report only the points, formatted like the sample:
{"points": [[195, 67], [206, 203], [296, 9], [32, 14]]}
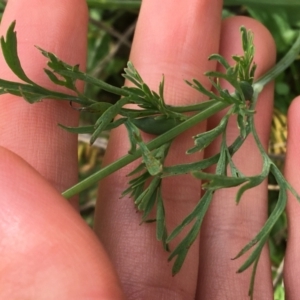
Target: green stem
{"points": [[155, 143], [257, 140], [160, 140], [283, 64], [193, 107]]}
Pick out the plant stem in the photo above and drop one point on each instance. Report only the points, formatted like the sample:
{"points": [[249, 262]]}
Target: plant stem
{"points": [[192, 107], [257, 140], [155, 143], [171, 134], [283, 64]]}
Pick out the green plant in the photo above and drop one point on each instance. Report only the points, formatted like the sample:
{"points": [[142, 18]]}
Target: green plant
{"points": [[155, 116]]}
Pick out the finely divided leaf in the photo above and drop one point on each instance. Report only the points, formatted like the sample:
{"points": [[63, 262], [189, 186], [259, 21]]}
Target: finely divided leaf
{"points": [[198, 212], [204, 139], [107, 117], [265, 231], [182, 249], [10, 53], [220, 59], [161, 229], [78, 130], [219, 181]]}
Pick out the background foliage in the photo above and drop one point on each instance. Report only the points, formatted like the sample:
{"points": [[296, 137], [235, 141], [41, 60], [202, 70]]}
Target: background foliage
{"points": [[111, 28]]}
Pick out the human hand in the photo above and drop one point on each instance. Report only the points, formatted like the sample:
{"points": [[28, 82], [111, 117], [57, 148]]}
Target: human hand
{"points": [[47, 252]]}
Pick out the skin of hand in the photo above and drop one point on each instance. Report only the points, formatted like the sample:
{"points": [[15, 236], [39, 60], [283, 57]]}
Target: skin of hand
{"points": [[47, 251]]}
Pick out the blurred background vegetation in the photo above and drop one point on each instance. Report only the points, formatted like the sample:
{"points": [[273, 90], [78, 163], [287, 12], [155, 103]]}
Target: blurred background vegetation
{"points": [[111, 29]]}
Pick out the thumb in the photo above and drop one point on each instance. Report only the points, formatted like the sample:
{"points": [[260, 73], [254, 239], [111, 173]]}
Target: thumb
{"points": [[47, 251]]}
